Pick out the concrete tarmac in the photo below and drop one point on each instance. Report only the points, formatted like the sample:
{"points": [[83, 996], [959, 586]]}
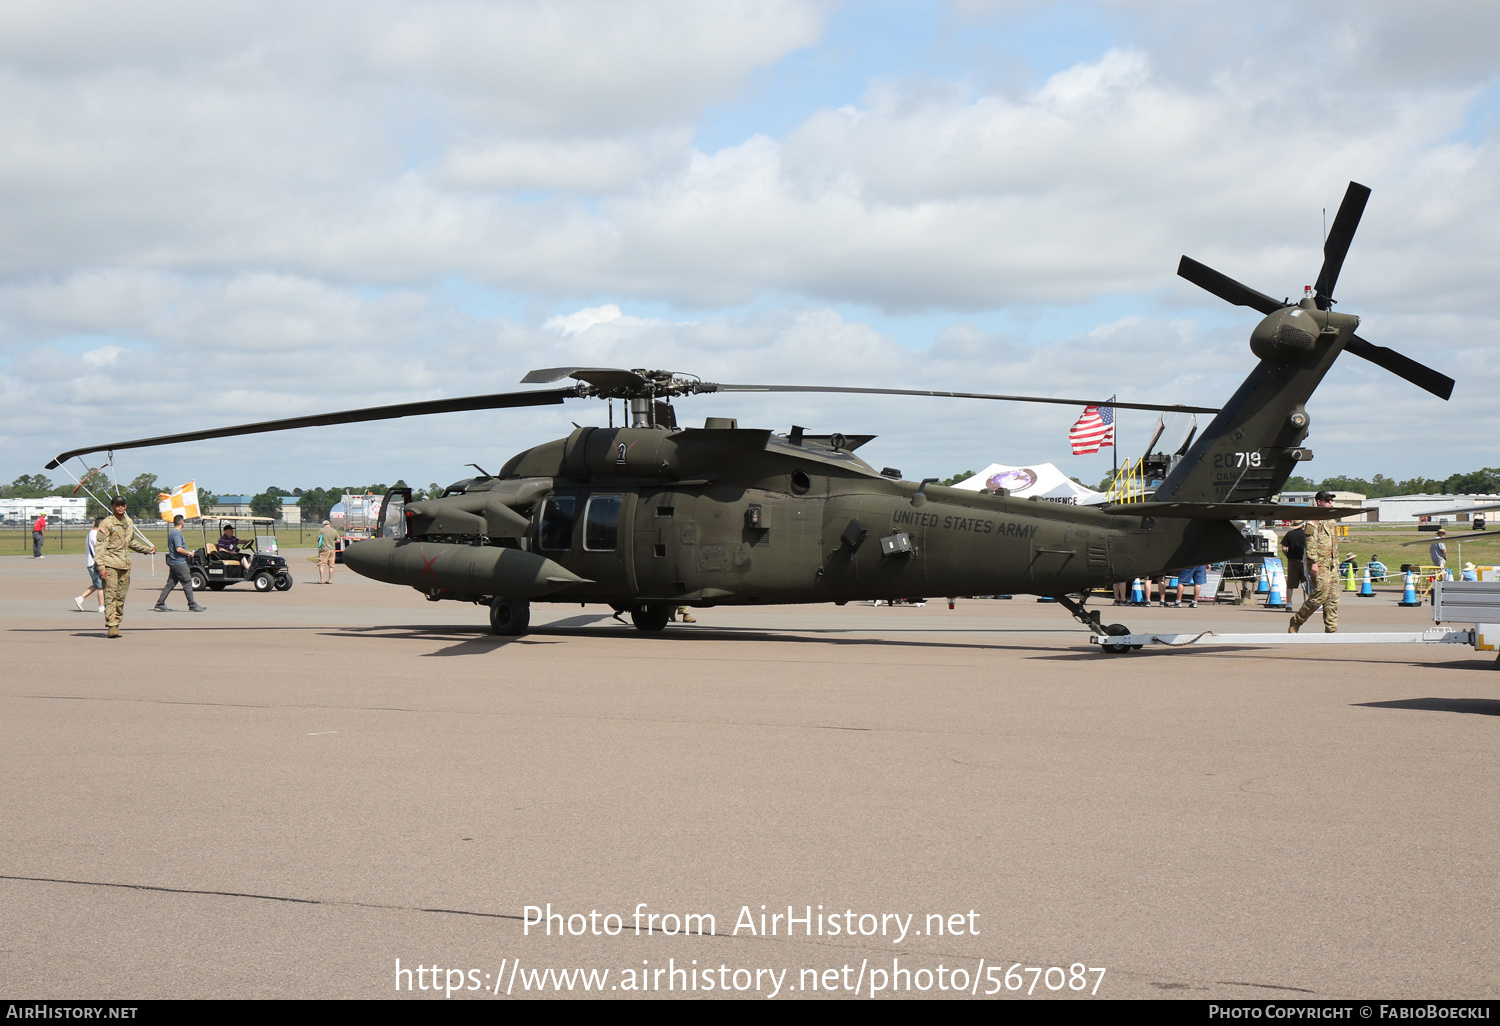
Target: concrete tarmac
{"points": [[329, 791]]}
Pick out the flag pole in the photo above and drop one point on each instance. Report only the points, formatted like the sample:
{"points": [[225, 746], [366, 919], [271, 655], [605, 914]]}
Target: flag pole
{"points": [[1116, 446]]}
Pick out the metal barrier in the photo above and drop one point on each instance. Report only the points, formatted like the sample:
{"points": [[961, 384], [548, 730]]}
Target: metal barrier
{"points": [[1473, 602], [1426, 576]]}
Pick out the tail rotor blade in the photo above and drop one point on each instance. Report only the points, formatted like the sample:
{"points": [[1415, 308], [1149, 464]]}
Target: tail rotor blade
{"points": [[1439, 385], [1225, 287], [1339, 238]]}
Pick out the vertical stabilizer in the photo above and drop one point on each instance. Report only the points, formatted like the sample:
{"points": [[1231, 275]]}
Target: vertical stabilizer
{"points": [[1255, 442]]}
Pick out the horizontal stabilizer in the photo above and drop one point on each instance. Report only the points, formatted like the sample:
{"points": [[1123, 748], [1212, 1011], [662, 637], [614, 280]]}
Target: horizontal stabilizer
{"points": [[1227, 510]]}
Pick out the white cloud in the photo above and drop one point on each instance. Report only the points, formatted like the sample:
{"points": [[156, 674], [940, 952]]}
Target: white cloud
{"points": [[597, 165], [104, 356], [258, 195], [583, 320]]}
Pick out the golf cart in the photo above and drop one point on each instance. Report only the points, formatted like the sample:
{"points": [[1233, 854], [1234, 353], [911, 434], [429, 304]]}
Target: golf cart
{"points": [[215, 570]]}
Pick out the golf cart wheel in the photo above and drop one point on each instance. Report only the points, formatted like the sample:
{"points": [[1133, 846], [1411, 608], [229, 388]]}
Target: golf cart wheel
{"points": [[198, 580], [650, 617], [264, 581], [510, 617], [283, 582]]}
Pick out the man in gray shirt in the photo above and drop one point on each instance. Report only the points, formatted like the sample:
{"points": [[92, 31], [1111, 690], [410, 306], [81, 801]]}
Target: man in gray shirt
{"points": [[1438, 550], [177, 571]]}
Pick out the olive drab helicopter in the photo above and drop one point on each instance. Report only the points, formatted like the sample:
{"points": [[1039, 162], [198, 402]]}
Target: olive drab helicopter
{"points": [[650, 516]]}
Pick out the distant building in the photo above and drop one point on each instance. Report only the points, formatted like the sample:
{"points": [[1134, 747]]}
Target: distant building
{"points": [[1353, 500], [231, 506], [60, 509], [291, 513], [1405, 508]]}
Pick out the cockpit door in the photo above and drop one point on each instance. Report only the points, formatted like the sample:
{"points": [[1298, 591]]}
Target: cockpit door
{"points": [[392, 520]]}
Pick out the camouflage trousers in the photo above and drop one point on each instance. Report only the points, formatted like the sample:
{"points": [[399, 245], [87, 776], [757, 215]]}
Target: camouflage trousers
{"points": [[116, 585], [1324, 593]]}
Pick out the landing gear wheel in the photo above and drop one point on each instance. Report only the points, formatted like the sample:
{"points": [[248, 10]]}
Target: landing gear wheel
{"points": [[283, 582], [510, 617], [264, 581], [1116, 630], [199, 581], [650, 617]]}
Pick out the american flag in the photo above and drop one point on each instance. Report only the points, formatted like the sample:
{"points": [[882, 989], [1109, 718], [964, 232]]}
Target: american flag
{"points": [[1093, 431]]}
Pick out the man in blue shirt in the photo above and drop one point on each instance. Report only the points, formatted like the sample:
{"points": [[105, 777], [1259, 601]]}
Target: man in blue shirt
{"points": [[177, 571]]}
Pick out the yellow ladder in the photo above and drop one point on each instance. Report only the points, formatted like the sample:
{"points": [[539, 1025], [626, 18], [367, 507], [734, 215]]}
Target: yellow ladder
{"points": [[1129, 484]]}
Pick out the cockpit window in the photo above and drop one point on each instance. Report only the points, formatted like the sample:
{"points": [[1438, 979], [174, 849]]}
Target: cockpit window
{"points": [[556, 531], [601, 524]]}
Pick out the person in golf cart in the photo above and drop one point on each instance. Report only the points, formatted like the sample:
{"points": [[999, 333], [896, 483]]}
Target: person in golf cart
{"points": [[228, 547]]}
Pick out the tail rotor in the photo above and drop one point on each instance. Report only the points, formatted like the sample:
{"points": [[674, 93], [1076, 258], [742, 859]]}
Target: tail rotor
{"points": [[1335, 248]]}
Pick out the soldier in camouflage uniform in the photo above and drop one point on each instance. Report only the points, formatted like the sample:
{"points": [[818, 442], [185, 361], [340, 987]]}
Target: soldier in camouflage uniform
{"points": [[1322, 562], [116, 539]]}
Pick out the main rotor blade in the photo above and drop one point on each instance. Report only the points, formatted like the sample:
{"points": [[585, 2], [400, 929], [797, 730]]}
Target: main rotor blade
{"points": [[1429, 541], [1225, 287], [960, 395], [495, 401], [1337, 244], [1439, 385]]}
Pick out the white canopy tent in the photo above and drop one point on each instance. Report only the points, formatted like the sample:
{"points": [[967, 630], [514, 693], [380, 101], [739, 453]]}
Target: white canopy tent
{"points": [[1040, 479]]}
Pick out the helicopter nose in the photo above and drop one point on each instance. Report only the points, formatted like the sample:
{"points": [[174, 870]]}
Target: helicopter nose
{"points": [[368, 560], [460, 569]]}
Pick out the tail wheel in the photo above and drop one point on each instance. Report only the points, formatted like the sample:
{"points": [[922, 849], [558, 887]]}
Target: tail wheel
{"points": [[283, 582], [1116, 630], [510, 617], [264, 581], [650, 617]]}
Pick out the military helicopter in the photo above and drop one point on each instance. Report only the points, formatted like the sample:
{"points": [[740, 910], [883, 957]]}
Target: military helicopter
{"points": [[650, 516]]}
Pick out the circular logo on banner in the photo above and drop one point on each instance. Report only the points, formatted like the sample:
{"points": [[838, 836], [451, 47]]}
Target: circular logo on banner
{"points": [[1013, 480]]}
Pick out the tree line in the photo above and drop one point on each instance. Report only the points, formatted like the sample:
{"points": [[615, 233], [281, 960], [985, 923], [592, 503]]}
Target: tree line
{"points": [[1484, 481], [142, 495]]}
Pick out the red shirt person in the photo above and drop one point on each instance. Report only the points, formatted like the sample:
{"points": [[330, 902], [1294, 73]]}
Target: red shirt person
{"points": [[38, 529]]}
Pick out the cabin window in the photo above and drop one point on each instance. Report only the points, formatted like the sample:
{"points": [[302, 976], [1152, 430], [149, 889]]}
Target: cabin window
{"points": [[601, 524], [556, 532]]}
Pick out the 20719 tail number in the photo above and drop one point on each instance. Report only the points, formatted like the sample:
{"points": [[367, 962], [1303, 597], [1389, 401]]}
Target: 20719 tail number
{"points": [[1237, 459]]}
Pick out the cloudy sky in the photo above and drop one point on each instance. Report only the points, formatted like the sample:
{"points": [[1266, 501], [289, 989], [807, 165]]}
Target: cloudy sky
{"points": [[217, 212]]}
